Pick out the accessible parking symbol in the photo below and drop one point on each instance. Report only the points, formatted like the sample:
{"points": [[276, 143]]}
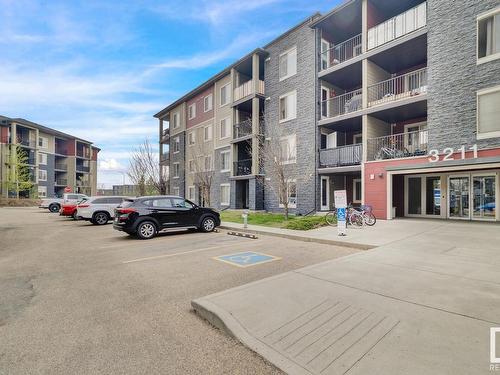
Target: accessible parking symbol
{"points": [[246, 259]]}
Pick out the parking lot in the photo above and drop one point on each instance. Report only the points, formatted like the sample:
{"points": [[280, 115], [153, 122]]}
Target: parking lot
{"points": [[77, 298]]}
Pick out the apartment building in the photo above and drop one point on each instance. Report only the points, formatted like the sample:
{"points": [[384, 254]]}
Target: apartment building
{"points": [[396, 102], [54, 160]]}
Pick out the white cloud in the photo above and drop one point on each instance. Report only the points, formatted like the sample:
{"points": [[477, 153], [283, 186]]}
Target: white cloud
{"points": [[110, 165]]}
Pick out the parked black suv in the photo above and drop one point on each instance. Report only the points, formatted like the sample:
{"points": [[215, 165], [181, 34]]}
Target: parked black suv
{"points": [[146, 216]]}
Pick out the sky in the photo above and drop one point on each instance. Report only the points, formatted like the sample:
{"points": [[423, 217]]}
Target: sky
{"points": [[101, 69]]}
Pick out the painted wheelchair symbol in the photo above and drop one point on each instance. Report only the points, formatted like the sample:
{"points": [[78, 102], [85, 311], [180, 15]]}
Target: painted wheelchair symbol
{"points": [[246, 259]]}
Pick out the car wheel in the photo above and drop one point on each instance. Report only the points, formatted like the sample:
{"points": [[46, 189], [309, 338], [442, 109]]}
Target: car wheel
{"points": [[54, 207], [100, 218], [208, 224], [146, 230], [74, 216]]}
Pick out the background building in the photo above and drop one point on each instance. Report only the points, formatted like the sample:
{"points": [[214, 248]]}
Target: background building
{"points": [[55, 160]]}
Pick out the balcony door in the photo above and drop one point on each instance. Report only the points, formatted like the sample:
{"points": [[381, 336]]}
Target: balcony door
{"points": [[325, 193], [415, 138]]}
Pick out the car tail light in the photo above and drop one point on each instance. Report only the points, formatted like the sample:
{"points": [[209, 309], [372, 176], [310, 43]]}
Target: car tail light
{"points": [[122, 214]]}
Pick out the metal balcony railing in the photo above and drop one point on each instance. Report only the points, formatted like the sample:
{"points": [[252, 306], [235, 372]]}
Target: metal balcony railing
{"points": [[83, 153], [82, 168], [338, 53], [61, 166], [26, 142], [61, 151], [165, 136], [342, 104], [402, 145], [400, 87], [341, 156], [243, 167], [165, 157], [61, 182], [398, 26], [247, 89]]}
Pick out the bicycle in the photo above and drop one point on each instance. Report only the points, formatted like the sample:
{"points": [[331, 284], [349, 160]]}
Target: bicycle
{"points": [[368, 216], [353, 217]]}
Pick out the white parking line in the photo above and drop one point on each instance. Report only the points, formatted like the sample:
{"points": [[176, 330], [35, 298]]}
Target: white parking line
{"points": [[182, 253]]}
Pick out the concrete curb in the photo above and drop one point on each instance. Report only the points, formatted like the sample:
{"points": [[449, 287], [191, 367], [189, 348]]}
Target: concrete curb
{"points": [[224, 321], [323, 241]]}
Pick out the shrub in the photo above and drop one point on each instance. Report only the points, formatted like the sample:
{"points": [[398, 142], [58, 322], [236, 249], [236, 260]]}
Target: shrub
{"points": [[13, 202], [306, 223]]}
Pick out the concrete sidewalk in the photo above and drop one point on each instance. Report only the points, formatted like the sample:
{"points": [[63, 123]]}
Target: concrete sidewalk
{"points": [[422, 304]]}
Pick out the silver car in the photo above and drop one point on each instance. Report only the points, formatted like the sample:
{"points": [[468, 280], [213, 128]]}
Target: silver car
{"points": [[98, 210]]}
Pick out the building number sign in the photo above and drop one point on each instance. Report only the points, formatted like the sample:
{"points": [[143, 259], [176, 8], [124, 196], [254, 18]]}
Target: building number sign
{"points": [[447, 154]]}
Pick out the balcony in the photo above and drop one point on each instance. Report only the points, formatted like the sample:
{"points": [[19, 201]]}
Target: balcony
{"points": [[165, 157], [342, 104], [402, 145], [247, 89], [398, 26], [341, 156], [61, 167], [165, 136], [339, 53], [243, 167], [61, 182], [61, 151], [404, 86], [82, 168], [26, 142]]}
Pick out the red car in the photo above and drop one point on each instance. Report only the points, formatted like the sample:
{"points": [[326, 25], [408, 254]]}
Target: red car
{"points": [[69, 209]]}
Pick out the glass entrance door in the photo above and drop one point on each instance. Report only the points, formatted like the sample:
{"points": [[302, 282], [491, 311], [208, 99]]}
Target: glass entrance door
{"points": [[484, 197], [325, 193], [458, 197]]}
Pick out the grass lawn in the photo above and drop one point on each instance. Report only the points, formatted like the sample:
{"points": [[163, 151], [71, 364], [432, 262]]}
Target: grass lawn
{"points": [[276, 220]]}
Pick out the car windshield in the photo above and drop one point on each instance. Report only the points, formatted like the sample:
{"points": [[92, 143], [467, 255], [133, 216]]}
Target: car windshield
{"points": [[81, 200]]}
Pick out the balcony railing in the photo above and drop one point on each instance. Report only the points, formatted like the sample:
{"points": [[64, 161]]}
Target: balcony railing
{"points": [[396, 27], [243, 167], [341, 156], [242, 129], [247, 89], [342, 104], [165, 157], [338, 53], [83, 153], [165, 136], [26, 142], [400, 87], [61, 182], [402, 145], [82, 168], [61, 167], [61, 151]]}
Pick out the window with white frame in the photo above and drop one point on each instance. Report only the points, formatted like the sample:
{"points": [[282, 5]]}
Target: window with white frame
{"points": [[176, 170], [224, 128], [488, 36], [175, 120], [488, 113], [356, 190], [42, 191], [176, 190], [191, 193], [288, 63], [207, 133], [192, 138], [224, 94], [208, 163], [288, 149], [192, 111], [177, 144], [288, 106], [225, 160], [43, 142], [42, 175], [225, 194], [191, 166], [42, 158], [207, 103], [291, 194]]}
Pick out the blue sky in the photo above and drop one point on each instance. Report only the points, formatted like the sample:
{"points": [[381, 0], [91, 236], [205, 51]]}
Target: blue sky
{"points": [[102, 69]]}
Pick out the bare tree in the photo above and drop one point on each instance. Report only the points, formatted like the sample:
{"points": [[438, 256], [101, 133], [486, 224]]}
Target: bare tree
{"points": [[144, 170], [277, 153], [203, 169]]}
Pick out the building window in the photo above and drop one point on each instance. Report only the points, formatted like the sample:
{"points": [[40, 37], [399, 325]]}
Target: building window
{"points": [[176, 170], [288, 106], [288, 63], [488, 113], [191, 166], [43, 142], [177, 144], [42, 158], [191, 193], [42, 175], [192, 111], [488, 36], [208, 163], [225, 161], [176, 190], [207, 103], [291, 194], [192, 138], [356, 193], [224, 128], [42, 191], [175, 120], [207, 133], [288, 147], [225, 194], [224, 94]]}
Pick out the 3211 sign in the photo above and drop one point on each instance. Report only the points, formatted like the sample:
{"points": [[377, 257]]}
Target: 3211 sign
{"points": [[434, 155]]}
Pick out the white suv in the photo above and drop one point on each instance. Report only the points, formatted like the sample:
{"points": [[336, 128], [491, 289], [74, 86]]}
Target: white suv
{"points": [[98, 210]]}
